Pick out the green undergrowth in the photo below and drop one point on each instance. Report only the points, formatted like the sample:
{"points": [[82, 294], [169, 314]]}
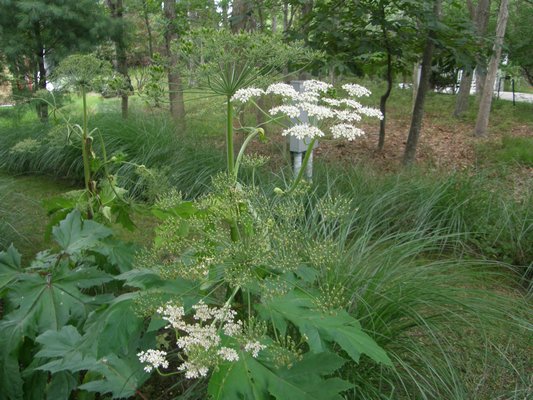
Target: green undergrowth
{"points": [[156, 155], [513, 151]]}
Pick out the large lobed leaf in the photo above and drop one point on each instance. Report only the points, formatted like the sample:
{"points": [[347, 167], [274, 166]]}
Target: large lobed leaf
{"points": [[75, 235], [252, 379], [10, 267], [320, 327]]}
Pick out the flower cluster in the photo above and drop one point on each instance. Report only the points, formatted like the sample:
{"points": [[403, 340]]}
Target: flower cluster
{"points": [[201, 340], [153, 359], [314, 103]]}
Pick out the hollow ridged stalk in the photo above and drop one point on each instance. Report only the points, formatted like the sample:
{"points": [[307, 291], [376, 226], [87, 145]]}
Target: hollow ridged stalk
{"points": [[229, 139], [86, 166], [234, 230]]}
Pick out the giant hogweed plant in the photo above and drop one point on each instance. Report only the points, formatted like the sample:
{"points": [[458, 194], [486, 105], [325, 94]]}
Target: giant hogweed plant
{"points": [[264, 326], [101, 198]]}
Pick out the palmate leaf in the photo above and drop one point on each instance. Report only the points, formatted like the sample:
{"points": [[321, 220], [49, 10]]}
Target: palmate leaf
{"points": [[321, 328], [10, 267], [42, 303], [119, 376], [251, 379], [74, 235], [115, 328]]}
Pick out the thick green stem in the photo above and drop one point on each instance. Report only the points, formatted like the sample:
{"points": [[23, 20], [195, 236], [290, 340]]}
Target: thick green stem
{"points": [[229, 138], [86, 166], [86, 150], [304, 165], [241, 151]]}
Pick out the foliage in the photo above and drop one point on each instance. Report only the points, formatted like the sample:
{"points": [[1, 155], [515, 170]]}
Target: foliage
{"points": [[55, 295], [518, 41]]}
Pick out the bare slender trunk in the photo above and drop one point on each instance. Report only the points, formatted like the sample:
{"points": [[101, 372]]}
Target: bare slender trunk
{"points": [[385, 96], [461, 103], [416, 78], [482, 121], [117, 12], [175, 87], [418, 111], [148, 30], [481, 20], [42, 106]]}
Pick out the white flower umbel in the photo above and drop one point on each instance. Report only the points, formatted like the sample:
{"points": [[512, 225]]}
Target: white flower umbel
{"points": [[173, 314], [228, 354], [356, 90], [371, 112], [303, 131], [316, 111], [347, 115], [192, 370], [316, 86], [282, 89], [290, 111], [154, 359], [202, 339], [254, 348], [244, 95], [346, 131]]}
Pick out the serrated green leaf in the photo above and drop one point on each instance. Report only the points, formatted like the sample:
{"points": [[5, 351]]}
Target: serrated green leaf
{"points": [[320, 327], [61, 386], [111, 374], [119, 253], [10, 267], [249, 378], [116, 328], [75, 235], [119, 377]]}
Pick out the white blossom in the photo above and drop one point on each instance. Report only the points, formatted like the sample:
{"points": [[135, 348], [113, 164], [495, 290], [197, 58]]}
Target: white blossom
{"points": [[202, 311], [347, 115], [346, 131], [173, 314], [154, 359], [303, 131], [371, 112], [290, 111], [254, 348], [352, 103], [316, 86], [192, 370], [283, 90], [316, 111], [356, 90], [228, 354], [332, 102], [244, 95]]}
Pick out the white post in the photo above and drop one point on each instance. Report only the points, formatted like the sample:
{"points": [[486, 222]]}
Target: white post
{"points": [[298, 147]]}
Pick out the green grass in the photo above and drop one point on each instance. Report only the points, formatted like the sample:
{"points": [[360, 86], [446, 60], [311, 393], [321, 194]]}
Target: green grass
{"points": [[23, 219], [513, 151], [389, 248]]}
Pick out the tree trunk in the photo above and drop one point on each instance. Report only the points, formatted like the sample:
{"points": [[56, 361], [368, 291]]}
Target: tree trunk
{"points": [[148, 30], [481, 21], [42, 106], [461, 103], [117, 12], [385, 96], [482, 121], [418, 111], [242, 16], [416, 80], [177, 106]]}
